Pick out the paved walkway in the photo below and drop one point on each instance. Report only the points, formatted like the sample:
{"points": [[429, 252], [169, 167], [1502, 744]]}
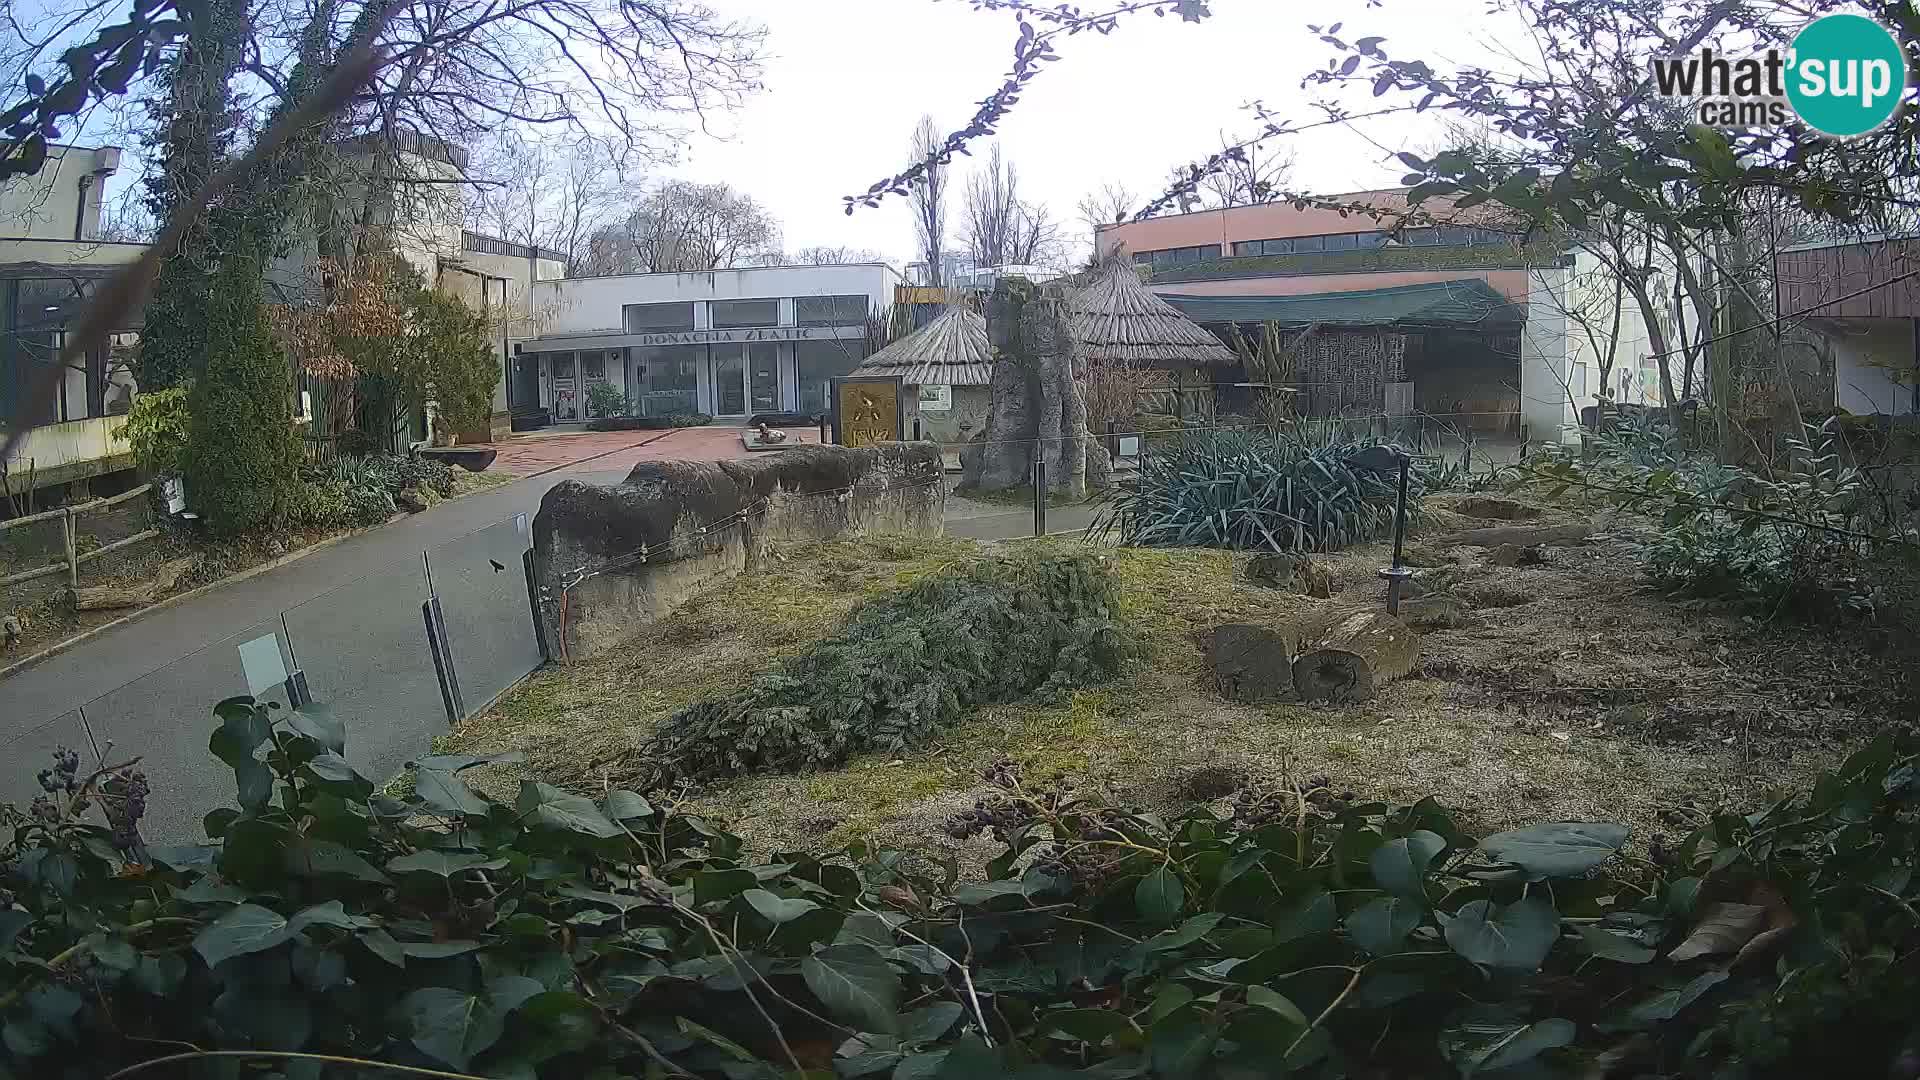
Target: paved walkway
{"points": [[608, 451], [350, 615]]}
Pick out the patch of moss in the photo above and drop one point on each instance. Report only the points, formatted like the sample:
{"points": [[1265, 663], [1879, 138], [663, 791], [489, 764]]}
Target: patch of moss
{"points": [[1044, 740]]}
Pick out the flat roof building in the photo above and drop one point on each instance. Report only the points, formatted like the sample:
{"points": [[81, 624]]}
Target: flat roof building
{"points": [[727, 343]]}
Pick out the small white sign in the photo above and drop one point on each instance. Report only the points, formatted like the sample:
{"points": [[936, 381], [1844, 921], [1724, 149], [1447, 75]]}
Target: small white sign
{"points": [[260, 661], [936, 398], [1129, 446], [176, 492]]}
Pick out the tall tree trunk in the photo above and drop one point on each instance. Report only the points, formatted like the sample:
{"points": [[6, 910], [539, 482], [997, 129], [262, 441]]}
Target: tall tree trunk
{"points": [[193, 131]]}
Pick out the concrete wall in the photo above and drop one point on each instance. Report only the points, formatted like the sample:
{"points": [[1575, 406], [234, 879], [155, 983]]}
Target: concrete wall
{"points": [[1545, 404], [627, 556], [58, 453], [592, 305], [967, 418], [62, 200], [1874, 364]]}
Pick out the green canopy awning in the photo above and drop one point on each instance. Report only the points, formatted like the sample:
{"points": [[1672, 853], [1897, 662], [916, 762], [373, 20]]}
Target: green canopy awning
{"points": [[1467, 302]]}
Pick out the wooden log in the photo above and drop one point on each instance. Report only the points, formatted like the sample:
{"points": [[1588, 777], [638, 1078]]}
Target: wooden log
{"points": [[111, 597], [1519, 536], [1354, 657], [1251, 663]]}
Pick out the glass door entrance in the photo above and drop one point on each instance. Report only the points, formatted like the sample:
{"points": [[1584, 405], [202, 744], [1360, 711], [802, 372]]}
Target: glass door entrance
{"points": [[746, 378], [763, 374], [729, 380]]}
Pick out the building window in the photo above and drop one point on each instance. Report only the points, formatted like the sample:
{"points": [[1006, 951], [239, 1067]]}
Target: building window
{"points": [[1371, 239], [561, 365], [1304, 244], [666, 379], [830, 310], [593, 365], [1420, 237], [657, 318], [1168, 258], [1143, 257], [815, 364], [1341, 242], [737, 314], [1451, 235]]}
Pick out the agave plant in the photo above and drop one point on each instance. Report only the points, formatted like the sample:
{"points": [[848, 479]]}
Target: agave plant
{"points": [[1292, 490]]}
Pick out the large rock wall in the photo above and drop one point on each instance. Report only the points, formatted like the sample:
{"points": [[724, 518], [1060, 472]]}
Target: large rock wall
{"points": [[626, 556]]}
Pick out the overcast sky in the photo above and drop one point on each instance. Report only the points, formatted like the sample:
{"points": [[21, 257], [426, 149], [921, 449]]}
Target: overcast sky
{"points": [[847, 80]]}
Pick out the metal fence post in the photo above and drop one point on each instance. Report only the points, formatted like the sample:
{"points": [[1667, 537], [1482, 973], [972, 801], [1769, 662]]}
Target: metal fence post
{"points": [[436, 622], [66, 537], [826, 430], [1039, 488], [533, 605]]}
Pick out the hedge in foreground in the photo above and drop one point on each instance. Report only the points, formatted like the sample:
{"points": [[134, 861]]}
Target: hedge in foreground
{"points": [[569, 937], [906, 666]]}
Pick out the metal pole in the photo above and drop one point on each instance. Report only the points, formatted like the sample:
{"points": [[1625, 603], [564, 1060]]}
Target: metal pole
{"points": [[826, 429], [1039, 490], [533, 603], [1397, 574], [916, 427]]}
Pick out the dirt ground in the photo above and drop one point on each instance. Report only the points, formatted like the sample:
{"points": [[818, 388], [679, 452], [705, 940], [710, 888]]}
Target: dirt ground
{"points": [[1570, 691]]}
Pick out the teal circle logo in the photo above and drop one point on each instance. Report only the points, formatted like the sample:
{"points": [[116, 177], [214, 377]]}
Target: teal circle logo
{"points": [[1847, 75]]}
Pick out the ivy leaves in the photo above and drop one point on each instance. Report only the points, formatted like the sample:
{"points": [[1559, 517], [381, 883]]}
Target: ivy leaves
{"points": [[455, 1027], [552, 934]]}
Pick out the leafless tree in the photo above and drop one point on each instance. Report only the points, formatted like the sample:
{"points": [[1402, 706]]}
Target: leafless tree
{"points": [[1249, 177], [1001, 229], [1112, 204], [683, 226], [929, 200], [834, 256], [554, 194]]}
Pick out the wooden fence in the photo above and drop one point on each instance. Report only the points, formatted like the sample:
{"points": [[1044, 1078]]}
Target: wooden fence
{"points": [[71, 562]]}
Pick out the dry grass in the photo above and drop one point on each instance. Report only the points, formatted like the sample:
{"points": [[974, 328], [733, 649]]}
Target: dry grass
{"points": [[1570, 692]]}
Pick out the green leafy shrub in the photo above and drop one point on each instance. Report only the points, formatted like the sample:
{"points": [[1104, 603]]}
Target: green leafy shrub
{"points": [[563, 936], [907, 665], [317, 503], [241, 453], [1791, 542], [1289, 490], [156, 430], [460, 364], [604, 400]]}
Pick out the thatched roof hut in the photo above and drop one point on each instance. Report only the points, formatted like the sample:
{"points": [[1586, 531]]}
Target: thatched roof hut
{"points": [[951, 350], [1117, 319]]}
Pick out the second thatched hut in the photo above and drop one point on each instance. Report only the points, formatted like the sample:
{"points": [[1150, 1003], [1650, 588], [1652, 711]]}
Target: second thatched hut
{"points": [[1120, 327]]}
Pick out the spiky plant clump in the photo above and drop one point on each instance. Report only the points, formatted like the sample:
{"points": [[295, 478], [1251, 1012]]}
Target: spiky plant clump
{"points": [[1292, 490]]}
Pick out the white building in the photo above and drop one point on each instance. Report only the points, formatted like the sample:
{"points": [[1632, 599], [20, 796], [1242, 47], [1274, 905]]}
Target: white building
{"points": [[51, 263], [727, 343]]}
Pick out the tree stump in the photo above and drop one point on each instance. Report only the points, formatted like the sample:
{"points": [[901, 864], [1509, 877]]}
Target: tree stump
{"points": [[1035, 399], [1520, 536], [1433, 613], [1355, 657], [1496, 508], [1251, 664], [1285, 570]]}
